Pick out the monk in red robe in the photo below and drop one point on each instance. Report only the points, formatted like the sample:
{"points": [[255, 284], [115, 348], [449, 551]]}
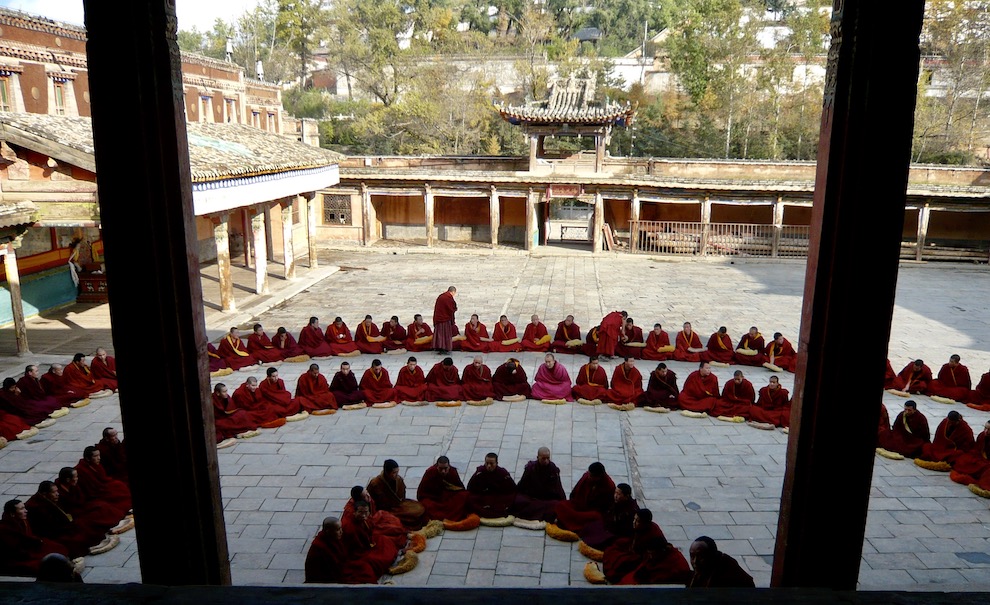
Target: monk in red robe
{"points": [[395, 336], [442, 492], [491, 489], [627, 384], [476, 381], [953, 381], [658, 347], [750, 351], [914, 378], [510, 380], [369, 558], [32, 389], [13, 427], [773, 406], [567, 332], [909, 432], [233, 351], [889, 377], [539, 491], [338, 336], [388, 490], [96, 484], [327, 556], [700, 393], [535, 337], [443, 321], [476, 337], [384, 525], [738, 396], [218, 367], [715, 569], [617, 522], [979, 398], [49, 520], [91, 513], [54, 383], [419, 335], [662, 564], [970, 466], [278, 398], [79, 377], [781, 353], [312, 341], [719, 348], [410, 383], [590, 347], [368, 337], [21, 551], [591, 383], [593, 495], [261, 347], [625, 554], [376, 384], [661, 390], [113, 455], [443, 383], [104, 368], [344, 387], [32, 412], [248, 397], [229, 420], [288, 347], [504, 337], [608, 333], [313, 391], [630, 340], [687, 345], [953, 438]]}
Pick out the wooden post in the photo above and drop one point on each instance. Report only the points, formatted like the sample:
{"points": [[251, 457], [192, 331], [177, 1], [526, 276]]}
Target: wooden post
{"points": [[16, 302], [266, 210], [531, 228], [221, 237], [924, 214], [260, 250], [634, 222], [778, 226], [706, 225], [366, 238], [494, 213], [533, 145], [311, 205], [599, 152], [171, 442], [428, 204], [288, 250], [596, 237], [863, 154], [248, 238]]}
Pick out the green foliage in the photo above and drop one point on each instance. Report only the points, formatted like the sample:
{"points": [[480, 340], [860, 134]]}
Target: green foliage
{"points": [[306, 103]]}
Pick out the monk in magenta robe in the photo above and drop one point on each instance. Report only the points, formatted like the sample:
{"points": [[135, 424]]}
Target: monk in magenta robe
{"points": [[979, 398], [233, 351], [476, 337], [79, 377], [773, 405], [657, 345], [953, 437], [113, 455], [738, 396], [510, 380], [338, 336], [229, 420], [327, 555], [96, 484], [313, 391], [217, 363], [491, 489], [593, 495], [914, 378], [539, 491], [536, 338], [389, 492], [661, 389], [444, 324], [687, 345], [625, 554], [909, 432], [442, 492], [552, 381], [21, 551], [344, 387], [751, 347], [394, 335], [608, 333], [104, 368], [629, 335], [312, 340], [261, 347], [567, 331], [720, 347], [287, 345], [700, 393], [32, 412], [591, 382], [971, 465], [504, 337], [54, 382], [780, 352], [368, 337], [248, 397], [419, 335], [443, 383], [376, 384], [662, 563], [953, 381], [279, 398], [410, 383], [476, 381], [627, 383]]}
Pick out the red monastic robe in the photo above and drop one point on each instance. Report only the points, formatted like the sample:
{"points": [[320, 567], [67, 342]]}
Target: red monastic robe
{"points": [[325, 560], [314, 393], [229, 420], [699, 394], [782, 355], [682, 343], [390, 495], [312, 341], [661, 391], [608, 333], [288, 346], [668, 568], [590, 499], [377, 387], [363, 333], [510, 380], [414, 332], [395, 338], [627, 335], [410, 385], [213, 355], [563, 335], [654, 343], [340, 339], [235, 353], [974, 463], [21, 551], [772, 407], [443, 383], [105, 371], [913, 381], [256, 405], [491, 492], [278, 397], [476, 383], [96, 484], [262, 348], [500, 333], [950, 442], [979, 398], [56, 386], [590, 385], [720, 349], [908, 434], [757, 344], [532, 335], [952, 382], [78, 377], [625, 554], [736, 399], [345, 389], [443, 496], [11, 425], [472, 339], [627, 385]]}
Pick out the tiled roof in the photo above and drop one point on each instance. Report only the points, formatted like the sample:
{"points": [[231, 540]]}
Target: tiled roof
{"points": [[13, 214], [571, 101], [216, 151]]}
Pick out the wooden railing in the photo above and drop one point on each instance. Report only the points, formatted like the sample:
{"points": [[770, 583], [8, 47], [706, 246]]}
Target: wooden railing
{"points": [[718, 239]]}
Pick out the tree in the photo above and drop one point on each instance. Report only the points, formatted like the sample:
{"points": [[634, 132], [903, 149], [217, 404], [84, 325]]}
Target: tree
{"points": [[300, 25]]}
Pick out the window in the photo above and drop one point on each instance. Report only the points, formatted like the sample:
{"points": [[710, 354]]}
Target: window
{"points": [[59, 98], [256, 119], [336, 209], [230, 110], [571, 210], [271, 122], [5, 93], [205, 108]]}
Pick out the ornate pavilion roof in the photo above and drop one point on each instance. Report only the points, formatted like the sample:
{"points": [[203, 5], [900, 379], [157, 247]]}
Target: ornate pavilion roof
{"points": [[571, 101]]}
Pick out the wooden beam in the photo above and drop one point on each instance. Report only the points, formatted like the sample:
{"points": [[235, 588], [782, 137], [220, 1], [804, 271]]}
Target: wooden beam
{"points": [[599, 221], [288, 251], [221, 238], [16, 302], [47, 196], [48, 186], [64, 153]]}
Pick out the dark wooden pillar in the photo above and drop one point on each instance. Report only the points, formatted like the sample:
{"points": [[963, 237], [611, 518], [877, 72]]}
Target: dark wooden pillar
{"points": [[153, 279], [863, 158]]}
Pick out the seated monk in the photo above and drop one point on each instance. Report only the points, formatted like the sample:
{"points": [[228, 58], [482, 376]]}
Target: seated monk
{"points": [[419, 335], [410, 383], [627, 383], [476, 381], [625, 554], [592, 497], [889, 377], [661, 390], [617, 522], [491, 490], [953, 381], [715, 569], [113, 456], [327, 555], [953, 438], [278, 398], [92, 513], [476, 337], [383, 523], [344, 387], [95, 484], [376, 384], [662, 563], [261, 347], [21, 551], [535, 337], [914, 378], [781, 353], [49, 520], [229, 420], [13, 427], [104, 368], [552, 381], [510, 380], [539, 491], [773, 406], [234, 352], [591, 383], [394, 334], [687, 345], [313, 391], [312, 341], [738, 396], [630, 340], [567, 338], [368, 338], [217, 363], [750, 351], [443, 383], [369, 557], [248, 397], [31, 412], [969, 467], [979, 398], [720, 350], [79, 377], [338, 336], [700, 393], [608, 333], [288, 347], [504, 337], [908, 433], [388, 490], [54, 382], [442, 492], [658, 347], [883, 426], [590, 347]]}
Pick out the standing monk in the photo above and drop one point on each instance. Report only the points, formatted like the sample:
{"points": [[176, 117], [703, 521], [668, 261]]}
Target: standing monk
{"points": [[376, 384], [234, 352], [510, 382], [442, 492], [661, 390], [720, 349], [443, 383], [338, 336], [700, 390], [389, 491], [368, 338], [567, 338], [491, 488], [419, 335], [591, 384], [443, 321], [536, 338], [259, 345], [751, 348], [504, 337], [687, 345], [773, 406], [608, 333], [410, 384], [658, 347], [476, 381], [104, 368], [627, 384], [313, 392], [344, 387], [312, 341], [953, 381], [738, 396]]}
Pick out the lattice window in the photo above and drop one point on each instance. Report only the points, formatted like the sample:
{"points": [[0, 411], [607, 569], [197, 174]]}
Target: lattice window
{"points": [[5, 104], [336, 209]]}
